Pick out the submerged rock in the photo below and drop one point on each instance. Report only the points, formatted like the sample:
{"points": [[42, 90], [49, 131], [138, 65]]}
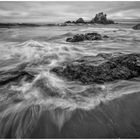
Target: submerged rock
{"points": [[136, 27], [87, 36], [116, 68], [16, 75]]}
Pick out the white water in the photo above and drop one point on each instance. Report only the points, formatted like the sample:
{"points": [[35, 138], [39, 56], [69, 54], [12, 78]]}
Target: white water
{"points": [[48, 91]]}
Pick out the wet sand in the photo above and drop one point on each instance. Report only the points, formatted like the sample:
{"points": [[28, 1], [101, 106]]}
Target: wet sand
{"points": [[119, 118]]}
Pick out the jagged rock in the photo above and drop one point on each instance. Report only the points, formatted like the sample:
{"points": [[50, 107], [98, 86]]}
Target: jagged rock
{"points": [[122, 67], [101, 18], [80, 20], [87, 36], [136, 27]]}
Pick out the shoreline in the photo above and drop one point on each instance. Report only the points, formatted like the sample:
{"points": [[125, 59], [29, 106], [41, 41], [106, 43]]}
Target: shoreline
{"points": [[116, 119]]}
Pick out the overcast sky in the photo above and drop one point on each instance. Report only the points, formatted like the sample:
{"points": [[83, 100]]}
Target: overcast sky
{"points": [[62, 11]]}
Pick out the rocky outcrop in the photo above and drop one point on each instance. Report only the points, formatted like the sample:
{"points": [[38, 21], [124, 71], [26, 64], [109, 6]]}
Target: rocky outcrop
{"points": [[136, 27], [80, 20], [87, 36], [121, 67], [101, 18]]}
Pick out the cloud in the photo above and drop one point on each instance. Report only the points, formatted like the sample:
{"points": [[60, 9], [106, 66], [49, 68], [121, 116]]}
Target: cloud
{"points": [[4, 13], [47, 11], [127, 14]]}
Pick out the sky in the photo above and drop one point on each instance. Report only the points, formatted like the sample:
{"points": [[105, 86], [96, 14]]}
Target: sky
{"points": [[58, 12]]}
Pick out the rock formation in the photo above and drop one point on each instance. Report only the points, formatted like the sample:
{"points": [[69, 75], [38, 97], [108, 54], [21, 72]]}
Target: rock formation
{"points": [[101, 18], [80, 20], [87, 36], [136, 27], [120, 67]]}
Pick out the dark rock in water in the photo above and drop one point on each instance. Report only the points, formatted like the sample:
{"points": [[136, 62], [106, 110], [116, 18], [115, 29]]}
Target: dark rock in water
{"points": [[82, 37], [105, 36], [115, 68], [93, 36], [15, 76], [80, 20], [68, 21], [76, 38], [136, 27], [101, 18]]}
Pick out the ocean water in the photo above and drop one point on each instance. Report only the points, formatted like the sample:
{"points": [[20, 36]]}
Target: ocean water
{"points": [[49, 106]]}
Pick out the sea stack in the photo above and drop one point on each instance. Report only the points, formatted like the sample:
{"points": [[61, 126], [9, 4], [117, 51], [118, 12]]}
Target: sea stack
{"points": [[101, 18], [80, 20]]}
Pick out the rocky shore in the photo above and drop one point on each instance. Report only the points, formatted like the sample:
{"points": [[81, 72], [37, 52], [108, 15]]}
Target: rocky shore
{"points": [[122, 67]]}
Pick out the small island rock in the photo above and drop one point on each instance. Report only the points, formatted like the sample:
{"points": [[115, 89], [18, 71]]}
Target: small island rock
{"points": [[101, 18], [136, 27]]}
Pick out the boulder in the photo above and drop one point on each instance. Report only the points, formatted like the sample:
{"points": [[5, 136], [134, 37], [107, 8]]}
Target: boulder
{"points": [[136, 27], [87, 36], [76, 38], [121, 67]]}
